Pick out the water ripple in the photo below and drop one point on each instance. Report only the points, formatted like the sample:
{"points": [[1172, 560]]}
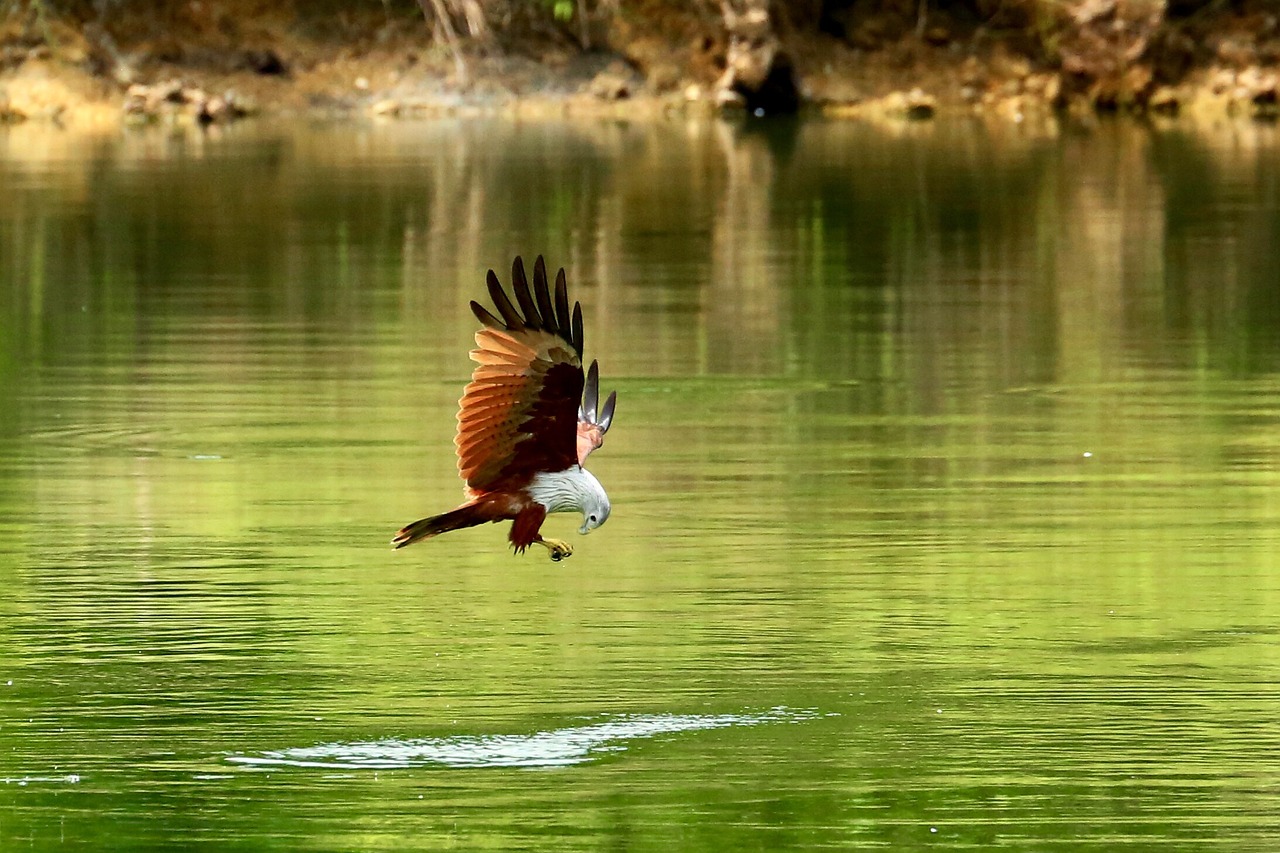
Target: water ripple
{"points": [[23, 781], [554, 748]]}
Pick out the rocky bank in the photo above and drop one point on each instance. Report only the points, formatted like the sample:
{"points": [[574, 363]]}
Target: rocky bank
{"points": [[214, 62]]}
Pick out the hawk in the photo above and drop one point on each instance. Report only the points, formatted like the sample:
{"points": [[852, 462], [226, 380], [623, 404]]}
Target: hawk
{"points": [[527, 420]]}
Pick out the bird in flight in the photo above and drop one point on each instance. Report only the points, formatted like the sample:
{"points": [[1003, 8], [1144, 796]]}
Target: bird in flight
{"points": [[527, 420]]}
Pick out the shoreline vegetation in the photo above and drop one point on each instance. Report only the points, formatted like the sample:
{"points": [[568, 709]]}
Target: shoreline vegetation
{"points": [[85, 62]]}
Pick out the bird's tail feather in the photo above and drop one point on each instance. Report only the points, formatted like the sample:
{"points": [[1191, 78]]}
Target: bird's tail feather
{"points": [[425, 528]]}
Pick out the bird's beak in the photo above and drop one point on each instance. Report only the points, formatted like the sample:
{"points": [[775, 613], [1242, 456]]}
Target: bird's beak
{"points": [[584, 530]]}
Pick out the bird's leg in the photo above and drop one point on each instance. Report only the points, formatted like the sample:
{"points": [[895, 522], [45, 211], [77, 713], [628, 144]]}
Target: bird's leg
{"points": [[559, 548]]}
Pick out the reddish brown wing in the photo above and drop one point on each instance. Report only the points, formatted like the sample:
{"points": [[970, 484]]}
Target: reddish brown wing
{"points": [[519, 414]]}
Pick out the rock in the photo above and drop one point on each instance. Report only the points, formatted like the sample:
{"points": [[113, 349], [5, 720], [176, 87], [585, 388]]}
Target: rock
{"points": [[1265, 96], [1018, 66], [169, 91], [8, 113], [1046, 87], [1053, 91], [171, 99], [1164, 100], [1250, 78], [920, 106], [1222, 81], [730, 99], [870, 35], [1014, 109], [913, 106], [610, 85], [245, 104], [225, 107], [212, 110], [1236, 50], [937, 36], [219, 109], [665, 77], [1253, 91], [1136, 83], [138, 101], [151, 101], [191, 95], [751, 23], [973, 73], [265, 62], [386, 107]]}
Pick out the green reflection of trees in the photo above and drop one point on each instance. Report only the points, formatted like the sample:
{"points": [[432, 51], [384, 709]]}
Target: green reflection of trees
{"points": [[860, 368]]}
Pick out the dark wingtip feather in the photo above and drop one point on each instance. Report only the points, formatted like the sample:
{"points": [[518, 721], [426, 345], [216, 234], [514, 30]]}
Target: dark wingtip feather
{"points": [[543, 295], [606, 413], [591, 393], [520, 285], [483, 315], [575, 336], [563, 320], [510, 316], [540, 311]]}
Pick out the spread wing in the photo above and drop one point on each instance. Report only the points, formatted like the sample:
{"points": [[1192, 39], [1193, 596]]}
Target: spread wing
{"points": [[593, 424], [519, 414]]}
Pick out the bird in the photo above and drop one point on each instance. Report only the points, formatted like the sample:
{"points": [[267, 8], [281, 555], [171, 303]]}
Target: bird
{"points": [[528, 419]]}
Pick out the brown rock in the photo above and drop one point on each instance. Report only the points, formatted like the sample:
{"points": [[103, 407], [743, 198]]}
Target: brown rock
{"points": [[914, 105], [937, 36], [1136, 82], [1165, 100], [973, 73], [1236, 50], [1265, 96], [1222, 81], [609, 85], [8, 113]]}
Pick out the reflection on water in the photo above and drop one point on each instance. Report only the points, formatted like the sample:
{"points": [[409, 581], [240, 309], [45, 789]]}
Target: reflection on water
{"points": [[964, 437], [554, 748]]}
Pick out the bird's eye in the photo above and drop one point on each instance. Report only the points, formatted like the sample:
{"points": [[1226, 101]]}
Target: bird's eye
{"points": [[593, 519]]}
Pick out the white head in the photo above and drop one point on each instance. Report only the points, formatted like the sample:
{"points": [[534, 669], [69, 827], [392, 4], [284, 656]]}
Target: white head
{"points": [[573, 489], [595, 505]]}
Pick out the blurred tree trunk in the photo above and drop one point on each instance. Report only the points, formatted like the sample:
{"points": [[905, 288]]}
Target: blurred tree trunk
{"points": [[585, 15], [1105, 47], [758, 72], [442, 13]]}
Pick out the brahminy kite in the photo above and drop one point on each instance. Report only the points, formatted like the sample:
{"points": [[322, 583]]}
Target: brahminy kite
{"points": [[528, 419]]}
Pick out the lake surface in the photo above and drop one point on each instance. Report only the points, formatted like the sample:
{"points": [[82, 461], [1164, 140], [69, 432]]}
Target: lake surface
{"points": [[945, 483]]}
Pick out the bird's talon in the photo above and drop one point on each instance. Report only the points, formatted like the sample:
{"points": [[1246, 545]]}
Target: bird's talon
{"points": [[559, 550]]}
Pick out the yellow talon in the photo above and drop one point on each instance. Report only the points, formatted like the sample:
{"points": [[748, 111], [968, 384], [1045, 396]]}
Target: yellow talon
{"points": [[558, 548]]}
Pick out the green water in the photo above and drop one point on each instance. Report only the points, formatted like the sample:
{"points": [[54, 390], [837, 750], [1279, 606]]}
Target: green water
{"points": [[944, 478]]}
